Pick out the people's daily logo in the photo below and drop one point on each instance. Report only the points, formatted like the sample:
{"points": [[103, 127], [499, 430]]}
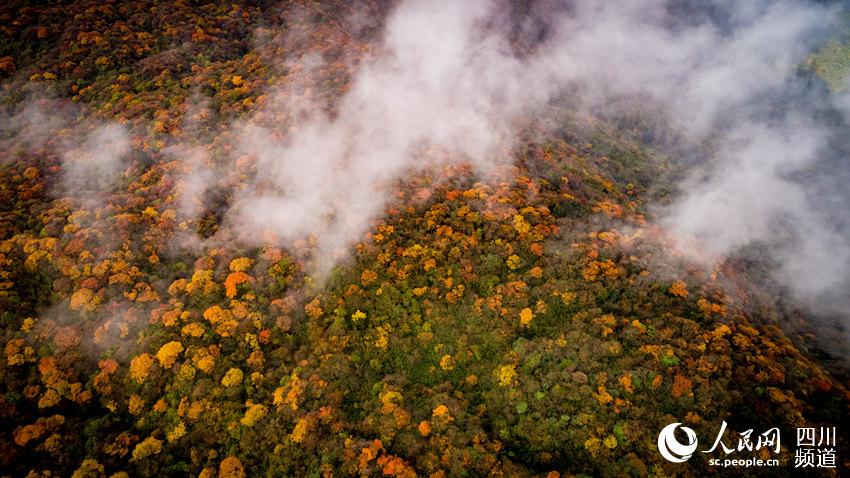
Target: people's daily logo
{"points": [[670, 447], [815, 448]]}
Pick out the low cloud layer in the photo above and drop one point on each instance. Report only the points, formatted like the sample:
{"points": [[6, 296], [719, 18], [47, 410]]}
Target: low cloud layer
{"points": [[445, 77], [93, 153], [442, 86], [450, 81]]}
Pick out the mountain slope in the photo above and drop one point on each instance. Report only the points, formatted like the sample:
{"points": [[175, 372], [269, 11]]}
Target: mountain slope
{"points": [[528, 321]]}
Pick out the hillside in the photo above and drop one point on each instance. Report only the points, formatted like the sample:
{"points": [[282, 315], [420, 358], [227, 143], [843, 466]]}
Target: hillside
{"points": [[165, 313]]}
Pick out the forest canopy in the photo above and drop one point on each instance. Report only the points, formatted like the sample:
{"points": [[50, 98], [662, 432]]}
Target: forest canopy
{"points": [[379, 238]]}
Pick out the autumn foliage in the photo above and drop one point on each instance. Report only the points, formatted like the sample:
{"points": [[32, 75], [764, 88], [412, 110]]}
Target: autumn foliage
{"points": [[509, 326]]}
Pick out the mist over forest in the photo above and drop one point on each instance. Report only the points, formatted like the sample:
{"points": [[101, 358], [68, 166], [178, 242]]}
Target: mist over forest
{"points": [[437, 238]]}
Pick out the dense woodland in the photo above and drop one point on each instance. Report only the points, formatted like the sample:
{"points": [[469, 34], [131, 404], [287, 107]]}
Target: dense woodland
{"points": [[536, 323]]}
